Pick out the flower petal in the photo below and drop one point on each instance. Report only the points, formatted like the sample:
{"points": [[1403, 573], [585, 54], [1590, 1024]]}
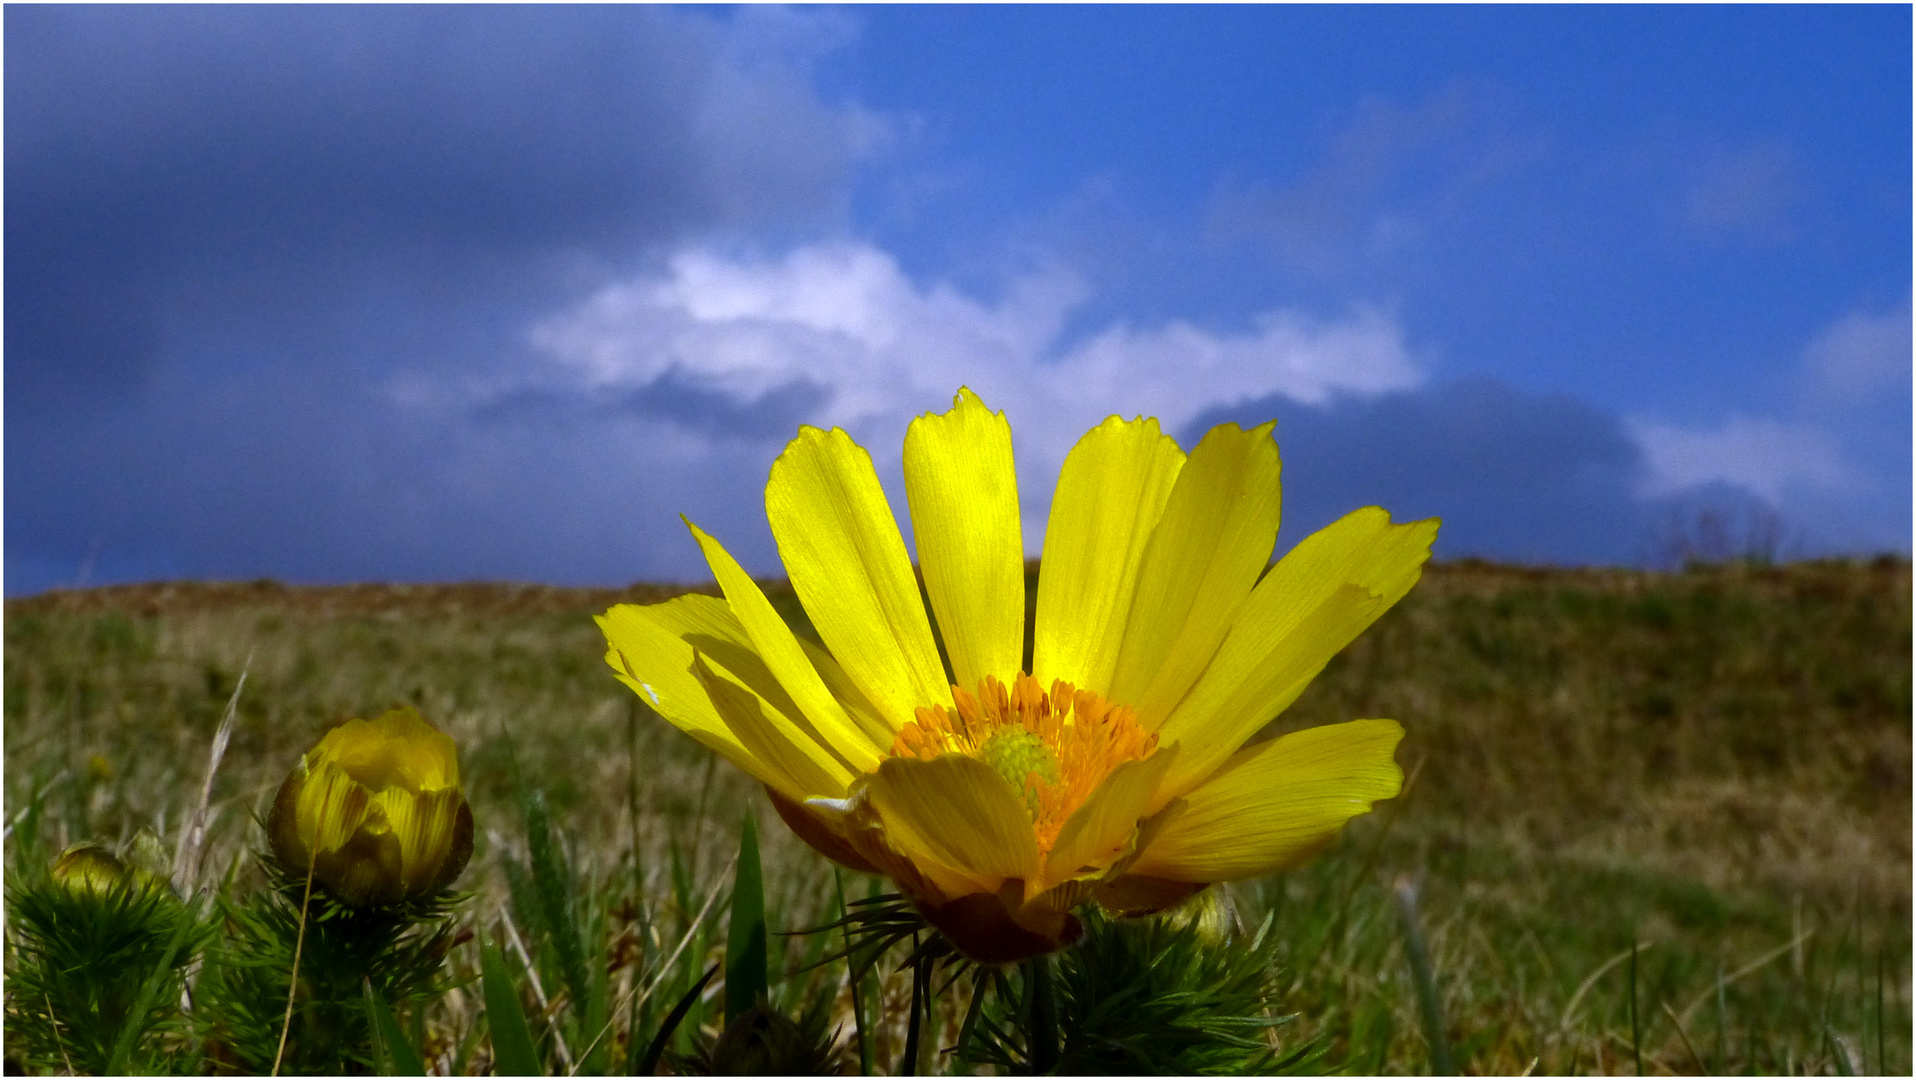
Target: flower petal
{"points": [[862, 712], [956, 811], [788, 758], [646, 648], [1277, 803], [841, 546], [962, 486], [1097, 833], [425, 825], [1209, 547], [824, 718], [1308, 607], [1110, 494]]}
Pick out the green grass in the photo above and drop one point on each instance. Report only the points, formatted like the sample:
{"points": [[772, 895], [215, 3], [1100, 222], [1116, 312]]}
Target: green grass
{"points": [[1713, 765]]}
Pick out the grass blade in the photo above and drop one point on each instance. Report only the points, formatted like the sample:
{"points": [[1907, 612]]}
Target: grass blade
{"points": [[396, 1053], [1636, 1030], [191, 852], [746, 980], [1429, 1006], [857, 984], [650, 1066], [512, 1051]]}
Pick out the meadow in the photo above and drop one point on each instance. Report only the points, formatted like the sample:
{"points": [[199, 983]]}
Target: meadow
{"points": [[1654, 822]]}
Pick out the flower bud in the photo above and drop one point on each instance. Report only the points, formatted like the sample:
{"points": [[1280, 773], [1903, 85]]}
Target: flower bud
{"points": [[375, 811], [88, 868]]}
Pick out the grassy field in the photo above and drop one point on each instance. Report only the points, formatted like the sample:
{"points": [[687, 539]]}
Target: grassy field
{"points": [[1655, 821]]}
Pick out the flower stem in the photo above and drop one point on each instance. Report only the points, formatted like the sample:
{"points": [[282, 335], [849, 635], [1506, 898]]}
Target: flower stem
{"points": [[1043, 1036], [299, 946]]}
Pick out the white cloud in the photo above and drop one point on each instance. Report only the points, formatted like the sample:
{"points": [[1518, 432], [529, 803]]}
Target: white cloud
{"points": [[1765, 456], [1862, 354], [844, 318]]}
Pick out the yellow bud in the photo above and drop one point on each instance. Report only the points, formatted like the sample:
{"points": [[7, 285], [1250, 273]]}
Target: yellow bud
{"points": [[1209, 911], [375, 811], [88, 868], [99, 769]]}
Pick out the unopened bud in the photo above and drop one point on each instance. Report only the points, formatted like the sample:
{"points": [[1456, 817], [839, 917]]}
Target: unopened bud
{"points": [[375, 811]]}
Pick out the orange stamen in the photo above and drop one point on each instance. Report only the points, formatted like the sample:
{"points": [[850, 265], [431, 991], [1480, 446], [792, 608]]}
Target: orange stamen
{"points": [[1086, 735]]}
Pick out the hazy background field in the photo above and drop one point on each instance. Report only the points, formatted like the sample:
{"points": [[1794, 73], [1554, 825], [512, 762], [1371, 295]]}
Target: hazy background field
{"points": [[1714, 764]]}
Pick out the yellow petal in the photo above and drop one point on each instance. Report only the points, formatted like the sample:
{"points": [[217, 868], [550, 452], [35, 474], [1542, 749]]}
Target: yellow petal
{"points": [[1098, 832], [841, 546], [862, 712], [708, 625], [1110, 494], [957, 812], [649, 648], [1308, 607], [820, 715], [424, 825], [332, 807], [1275, 804], [398, 747], [963, 489], [787, 758], [1209, 547]]}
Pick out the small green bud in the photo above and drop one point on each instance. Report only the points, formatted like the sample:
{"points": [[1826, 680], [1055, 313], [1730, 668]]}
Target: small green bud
{"points": [[88, 868]]}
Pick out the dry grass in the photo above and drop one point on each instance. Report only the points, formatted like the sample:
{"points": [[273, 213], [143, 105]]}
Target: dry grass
{"points": [[1715, 762]]}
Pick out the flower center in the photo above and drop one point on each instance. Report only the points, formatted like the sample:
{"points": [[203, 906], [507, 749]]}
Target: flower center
{"points": [[1054, 748]]}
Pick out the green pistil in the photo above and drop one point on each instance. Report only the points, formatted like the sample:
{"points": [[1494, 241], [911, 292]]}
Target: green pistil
{"points": [[1014, 754]]}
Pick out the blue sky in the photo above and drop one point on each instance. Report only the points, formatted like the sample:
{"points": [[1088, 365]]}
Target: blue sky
{"points": [[334, 294]]}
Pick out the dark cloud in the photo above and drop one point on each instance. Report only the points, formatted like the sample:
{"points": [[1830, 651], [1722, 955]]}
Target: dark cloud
{"points": [[675, 397], [232, 232], [1514, 476], [155, 151]]}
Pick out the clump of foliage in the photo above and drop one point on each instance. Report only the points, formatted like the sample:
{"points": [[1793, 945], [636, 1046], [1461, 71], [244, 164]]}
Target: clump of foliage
{"points": [[1154, 996], [100, 955], [354, 964]]}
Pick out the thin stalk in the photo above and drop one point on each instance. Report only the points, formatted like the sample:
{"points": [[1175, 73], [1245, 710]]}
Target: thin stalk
{"points": [[972, 1010], [1882, 1054], [698, 921], [54, 1022], [191, 851], [919, 990], [299, 946], [1043, 1036], [1723, 1015], [1636, 1033], [698, 820], [1695, 1058], [538, 990], [851, 973]]}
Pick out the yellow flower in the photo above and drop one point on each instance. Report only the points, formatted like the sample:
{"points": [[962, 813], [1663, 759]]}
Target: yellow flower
{"points": [[1117, 769], [375, 811]]}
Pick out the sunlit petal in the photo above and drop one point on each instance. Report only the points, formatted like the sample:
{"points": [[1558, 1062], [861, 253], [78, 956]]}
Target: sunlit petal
{"points": [[1110, 495], [1207, 551], [788, 758], [1308, 607], [818, 713], [847, 561], [1277, 803], [962, 485]]}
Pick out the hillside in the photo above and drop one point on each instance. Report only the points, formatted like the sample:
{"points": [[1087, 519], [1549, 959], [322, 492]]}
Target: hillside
{"points": [[1717, 761]]}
